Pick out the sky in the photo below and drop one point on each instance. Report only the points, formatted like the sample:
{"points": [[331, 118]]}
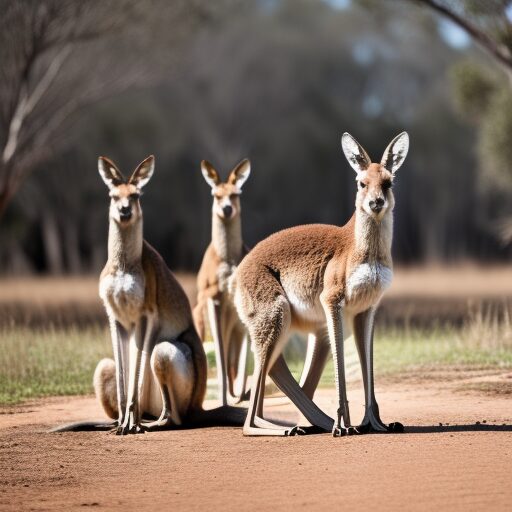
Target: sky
{"points": [[451, 34]]}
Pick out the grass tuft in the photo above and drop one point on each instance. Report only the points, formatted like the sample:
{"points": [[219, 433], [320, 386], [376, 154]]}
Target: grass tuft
{"points": [[38, 363]]}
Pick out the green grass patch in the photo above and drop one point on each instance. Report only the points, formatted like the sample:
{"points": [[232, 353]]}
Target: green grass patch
{"points": [[37, 363], [403, 351]]}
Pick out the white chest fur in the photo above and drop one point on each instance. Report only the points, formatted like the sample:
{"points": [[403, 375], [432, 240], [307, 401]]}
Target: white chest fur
{"points": [[305, 308], [123, 295], [224, 273], [366, 284]]}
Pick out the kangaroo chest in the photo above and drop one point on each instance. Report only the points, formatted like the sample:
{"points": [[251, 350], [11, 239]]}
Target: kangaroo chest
{"points": [[224, 272], [366, 284], [123, 295]]}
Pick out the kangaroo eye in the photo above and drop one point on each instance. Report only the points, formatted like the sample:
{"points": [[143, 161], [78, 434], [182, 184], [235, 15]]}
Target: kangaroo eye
{"points": [[362, 185], [134, 196], [386, 185]]}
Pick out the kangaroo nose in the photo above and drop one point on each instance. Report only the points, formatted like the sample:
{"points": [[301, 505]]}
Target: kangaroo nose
{"points": [[125, 213], [227, 210], [377, 204]]}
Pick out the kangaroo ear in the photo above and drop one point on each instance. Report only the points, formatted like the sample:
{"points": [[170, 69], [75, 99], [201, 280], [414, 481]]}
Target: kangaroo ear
{"points": [[240, 173], [395, 153], [354, 152], [209, 173], [109, 172], [143, 172]]}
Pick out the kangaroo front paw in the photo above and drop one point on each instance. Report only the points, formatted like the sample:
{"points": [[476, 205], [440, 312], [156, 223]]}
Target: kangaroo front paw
{"points": [[396, 427], [373, 424], [339, 431], [295, 431], [130, 426]]}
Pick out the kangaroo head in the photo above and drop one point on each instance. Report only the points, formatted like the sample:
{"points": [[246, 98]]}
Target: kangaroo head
{"points": [[124, 194], [226, 195], [374, 181]]}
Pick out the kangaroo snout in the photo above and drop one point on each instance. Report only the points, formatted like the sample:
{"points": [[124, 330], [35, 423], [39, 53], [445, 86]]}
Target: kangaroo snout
{"points": [[227, 210], [376, 205], [125, 212]]}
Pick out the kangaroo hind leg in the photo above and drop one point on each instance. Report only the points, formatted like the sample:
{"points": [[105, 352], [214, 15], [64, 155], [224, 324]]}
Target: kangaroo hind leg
{"points": [[269, 334], [173, 368]]}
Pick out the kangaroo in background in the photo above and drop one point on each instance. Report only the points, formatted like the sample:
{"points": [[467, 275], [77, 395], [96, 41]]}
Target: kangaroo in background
{"points": [[324, 280], [220, 260]]}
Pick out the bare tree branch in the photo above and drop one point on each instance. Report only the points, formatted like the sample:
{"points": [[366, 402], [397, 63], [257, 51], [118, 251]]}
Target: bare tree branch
{"points": [[27, 102], [113, 44], [499, 51]]}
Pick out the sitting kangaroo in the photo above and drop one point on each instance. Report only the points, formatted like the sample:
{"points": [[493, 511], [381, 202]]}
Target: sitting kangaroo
{"points": [[159, 365]]}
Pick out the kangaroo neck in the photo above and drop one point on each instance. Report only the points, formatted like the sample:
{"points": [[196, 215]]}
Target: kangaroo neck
{"points": [[373, 238], [125, 245], [227, 238]]}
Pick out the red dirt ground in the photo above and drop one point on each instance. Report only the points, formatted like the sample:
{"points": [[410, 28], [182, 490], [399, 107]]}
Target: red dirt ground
{"points": [[461, 466]]}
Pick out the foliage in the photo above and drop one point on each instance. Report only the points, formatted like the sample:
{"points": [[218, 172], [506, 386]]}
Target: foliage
{"points": [[58, 56], [474, 87], [486, 97], [276, 82]]}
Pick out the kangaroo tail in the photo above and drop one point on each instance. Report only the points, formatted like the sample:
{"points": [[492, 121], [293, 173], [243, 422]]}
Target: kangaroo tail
{"points": [[84, 426], [224, 416]]}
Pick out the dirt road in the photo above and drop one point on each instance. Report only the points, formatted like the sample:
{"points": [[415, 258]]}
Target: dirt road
{"points": [[466, 465]]}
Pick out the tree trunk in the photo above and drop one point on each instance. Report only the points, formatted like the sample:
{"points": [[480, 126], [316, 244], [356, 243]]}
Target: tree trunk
{"points": [[16, 261], [72, 247], [52, 243], [4, 201]]}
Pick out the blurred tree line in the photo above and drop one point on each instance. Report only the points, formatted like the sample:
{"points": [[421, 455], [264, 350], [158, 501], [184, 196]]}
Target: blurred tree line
{"points": [[276, 81]]}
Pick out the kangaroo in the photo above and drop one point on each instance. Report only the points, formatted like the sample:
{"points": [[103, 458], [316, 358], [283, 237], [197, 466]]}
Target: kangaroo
{"points": [[323, 280], [221, 258], [159, 365]]}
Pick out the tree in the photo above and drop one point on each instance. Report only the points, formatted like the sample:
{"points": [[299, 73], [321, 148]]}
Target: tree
{"points": [[60, 55], [486, 21], [484, 97]]}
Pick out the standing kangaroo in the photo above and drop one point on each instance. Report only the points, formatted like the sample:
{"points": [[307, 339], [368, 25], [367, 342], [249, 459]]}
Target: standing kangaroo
{"points": [[221, 258], [322, 279], [159, 365]]}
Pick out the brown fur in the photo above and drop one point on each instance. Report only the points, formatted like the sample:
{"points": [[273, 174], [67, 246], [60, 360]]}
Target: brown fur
{"points": [[305, 277], [221, 257], [166, 295], [141, 295]]}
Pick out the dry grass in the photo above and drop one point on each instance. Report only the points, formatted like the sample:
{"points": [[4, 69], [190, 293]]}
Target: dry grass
{"points": [[52, 331], [61, 290], [470, 282]]}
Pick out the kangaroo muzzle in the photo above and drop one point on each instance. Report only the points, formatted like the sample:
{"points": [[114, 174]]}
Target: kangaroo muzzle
{"points": [[125, 213], [376, 205]]}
